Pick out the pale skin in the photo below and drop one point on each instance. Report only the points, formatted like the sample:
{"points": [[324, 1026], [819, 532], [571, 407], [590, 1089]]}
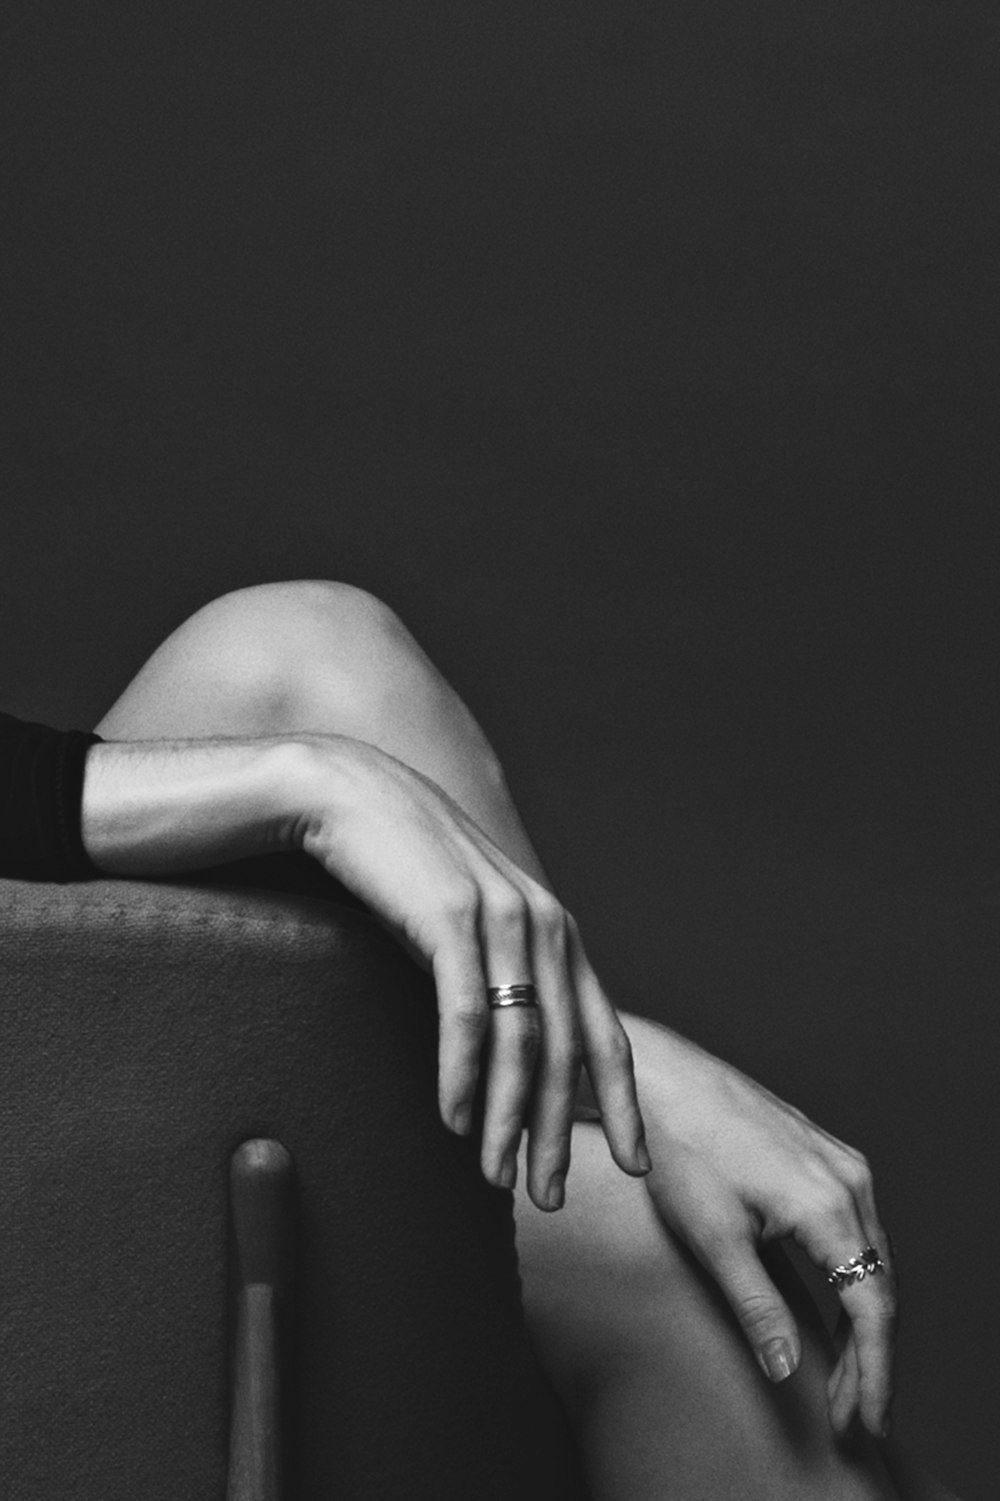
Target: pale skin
{"points": [[304, 716]]}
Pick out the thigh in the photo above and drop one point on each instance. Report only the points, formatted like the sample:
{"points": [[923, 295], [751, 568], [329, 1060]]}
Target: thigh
{"points": [[666, 1399]]}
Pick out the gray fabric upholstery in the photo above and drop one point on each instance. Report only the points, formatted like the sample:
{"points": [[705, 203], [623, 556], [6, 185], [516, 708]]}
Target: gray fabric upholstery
{"points": [[145, 1030]]}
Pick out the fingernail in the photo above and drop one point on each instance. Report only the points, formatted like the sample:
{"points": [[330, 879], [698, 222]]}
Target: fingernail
{"points": [[462, 1120], [776, 1359], [507, 1176], [643, 1157], [556, 1193]]}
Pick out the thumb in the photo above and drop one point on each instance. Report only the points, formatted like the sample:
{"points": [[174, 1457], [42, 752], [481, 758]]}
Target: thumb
{"points": [[762, 1312]]}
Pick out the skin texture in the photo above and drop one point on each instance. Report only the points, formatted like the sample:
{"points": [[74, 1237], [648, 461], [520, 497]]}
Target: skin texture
{"points": [[373, 726]]}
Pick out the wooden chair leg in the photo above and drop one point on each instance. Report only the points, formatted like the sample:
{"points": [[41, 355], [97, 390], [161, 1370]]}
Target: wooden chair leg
{"points": [[260, 1184]]}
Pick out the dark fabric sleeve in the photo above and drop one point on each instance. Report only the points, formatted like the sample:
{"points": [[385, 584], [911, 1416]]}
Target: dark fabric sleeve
{"points": [[41, 788]]}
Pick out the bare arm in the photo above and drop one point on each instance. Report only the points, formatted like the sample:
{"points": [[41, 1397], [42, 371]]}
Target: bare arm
{"points": [[160, 807], [734, 1165], [458, 903]]}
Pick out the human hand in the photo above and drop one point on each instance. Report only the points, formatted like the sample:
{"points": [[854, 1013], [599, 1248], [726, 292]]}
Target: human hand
{"points": [[735, 1168], [471, 916]]}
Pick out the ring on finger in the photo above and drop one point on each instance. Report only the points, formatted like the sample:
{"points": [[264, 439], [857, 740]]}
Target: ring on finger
{"points": [[500, 996], [866, 1264]]}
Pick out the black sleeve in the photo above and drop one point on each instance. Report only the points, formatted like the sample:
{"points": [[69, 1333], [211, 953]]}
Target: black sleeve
{"points": [[41, 788]]}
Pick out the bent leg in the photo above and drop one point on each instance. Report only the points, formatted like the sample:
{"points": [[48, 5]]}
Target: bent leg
{"points": [[331, 659], [666, 1399]]}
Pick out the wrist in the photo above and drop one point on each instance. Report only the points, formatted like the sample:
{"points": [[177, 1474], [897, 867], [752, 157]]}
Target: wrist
{"points": [[310, 781], [287, 778]]}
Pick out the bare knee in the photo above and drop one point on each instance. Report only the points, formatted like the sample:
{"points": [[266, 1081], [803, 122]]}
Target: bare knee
{"points": [[252, 661], [317, 655], [307, 655], [285, 612], [273, 625]]}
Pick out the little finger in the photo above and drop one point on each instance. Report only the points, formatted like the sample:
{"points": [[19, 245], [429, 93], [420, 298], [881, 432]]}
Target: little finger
{"points": [[607, 1055]]}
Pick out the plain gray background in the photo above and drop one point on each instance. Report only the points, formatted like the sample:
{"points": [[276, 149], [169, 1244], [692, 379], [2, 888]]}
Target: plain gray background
{"points": [[644, 357]]}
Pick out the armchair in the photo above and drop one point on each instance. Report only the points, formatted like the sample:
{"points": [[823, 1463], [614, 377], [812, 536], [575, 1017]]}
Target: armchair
{"points": [[146, 1030]]}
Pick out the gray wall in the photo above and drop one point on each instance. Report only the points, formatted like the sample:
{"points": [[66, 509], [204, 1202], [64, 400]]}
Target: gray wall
{"points": [[645, 358]]}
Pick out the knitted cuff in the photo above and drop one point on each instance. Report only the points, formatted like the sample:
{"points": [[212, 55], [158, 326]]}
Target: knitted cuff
{"points": [[41, 790]]}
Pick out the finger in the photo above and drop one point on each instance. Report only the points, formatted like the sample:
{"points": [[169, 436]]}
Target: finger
{"points": [[463, 1022], [515, 1037], [844, 1397], [870, 1305], [833, 1382], [559, 1064], [877, 1367], [608, 1058], [514, 1032], [761, 1311], [833, 1237], [862, 1186], [873, 1316]]}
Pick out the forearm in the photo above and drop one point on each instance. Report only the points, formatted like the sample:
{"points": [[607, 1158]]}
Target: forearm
{"points": [[159, 807]]}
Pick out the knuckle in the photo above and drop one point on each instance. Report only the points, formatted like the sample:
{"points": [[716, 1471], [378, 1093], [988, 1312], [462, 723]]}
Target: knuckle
{"points": [[548, 916], [565, 1056], [459, 905], [562, 1063], [851, 1167], [836, 1204], [757, 1312], [860, 1175], [468, 1019], [507, 909], [718, 1240], [525, 1039], [617, 1046]]}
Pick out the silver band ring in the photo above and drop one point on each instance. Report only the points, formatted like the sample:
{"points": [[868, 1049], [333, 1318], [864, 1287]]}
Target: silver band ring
{"points": [[498, 996], [865, 1264]]}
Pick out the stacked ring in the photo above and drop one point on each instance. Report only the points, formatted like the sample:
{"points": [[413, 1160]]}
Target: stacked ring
{"points": [[498, 996], [865, 1264]]}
